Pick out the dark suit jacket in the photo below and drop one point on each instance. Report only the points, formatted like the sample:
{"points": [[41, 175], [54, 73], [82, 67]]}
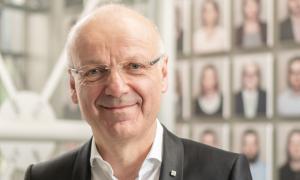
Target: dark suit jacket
{"points": [[261, 107], [191, 161], [286, 30], [240, 34]]}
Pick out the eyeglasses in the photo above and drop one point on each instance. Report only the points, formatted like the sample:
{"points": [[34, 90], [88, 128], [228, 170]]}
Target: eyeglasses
{"points": [[92, 74]]}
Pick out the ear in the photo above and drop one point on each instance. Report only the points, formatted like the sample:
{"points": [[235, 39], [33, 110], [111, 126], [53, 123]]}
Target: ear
{"points": [[165, 74], [72, 88]]}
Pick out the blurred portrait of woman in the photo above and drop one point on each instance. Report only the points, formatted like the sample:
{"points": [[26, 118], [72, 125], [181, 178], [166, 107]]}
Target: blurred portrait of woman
{"points": [[210, 36], [253, 31], [209, 102], [290, 170]]}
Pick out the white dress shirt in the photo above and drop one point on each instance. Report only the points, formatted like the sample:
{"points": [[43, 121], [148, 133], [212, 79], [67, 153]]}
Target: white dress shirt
{"points": [[250, 100], [150, 169]]}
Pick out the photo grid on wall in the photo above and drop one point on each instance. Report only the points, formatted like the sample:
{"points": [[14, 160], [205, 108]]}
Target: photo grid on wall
{"points": [[238, 80]]}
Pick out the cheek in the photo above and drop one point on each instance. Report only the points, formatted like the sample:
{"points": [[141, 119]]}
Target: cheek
{"points": [[87, 97], [150, 90]]}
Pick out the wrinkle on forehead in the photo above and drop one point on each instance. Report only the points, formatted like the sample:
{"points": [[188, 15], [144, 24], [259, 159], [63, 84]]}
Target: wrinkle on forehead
{"points": [[116, 30]]}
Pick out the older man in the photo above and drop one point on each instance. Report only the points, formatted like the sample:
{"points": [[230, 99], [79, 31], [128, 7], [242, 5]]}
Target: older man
{"points": [[118, 72]]}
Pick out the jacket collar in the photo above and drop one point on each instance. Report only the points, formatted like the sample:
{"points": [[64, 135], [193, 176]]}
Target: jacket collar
{"points": [[82, 168], [172, 164], [171, 167]]}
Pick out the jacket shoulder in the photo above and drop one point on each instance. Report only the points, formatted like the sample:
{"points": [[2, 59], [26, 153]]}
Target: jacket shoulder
{"points": [[58, 168], [211, 163], [194, 149]]}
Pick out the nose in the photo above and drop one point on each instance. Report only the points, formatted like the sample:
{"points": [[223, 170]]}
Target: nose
{"points": [[116, 85]]}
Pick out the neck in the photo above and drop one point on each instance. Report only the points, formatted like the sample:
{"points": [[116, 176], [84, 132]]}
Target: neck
{"points": [[126, 156], [296, 16], [211, 93], [210, 29], [296, 91]]}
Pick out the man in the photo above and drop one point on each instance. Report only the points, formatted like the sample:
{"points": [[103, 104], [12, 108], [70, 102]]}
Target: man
{"points": [[291, 169], [118, 72], [251, 101], [289, 100], [290, 27], [251, 148]]}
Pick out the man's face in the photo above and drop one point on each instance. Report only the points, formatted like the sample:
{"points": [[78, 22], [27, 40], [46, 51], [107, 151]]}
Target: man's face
{"points": [[250, 146], [123, 104], [294, 76], [250, 77], [294, 7], [294, 147]]}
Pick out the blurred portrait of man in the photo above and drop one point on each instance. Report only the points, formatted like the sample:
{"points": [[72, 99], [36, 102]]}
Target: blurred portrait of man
{"points": [[209, 101], [289, 99], [209, 137], [250, 101], [251, 148], [291, 169], [290, 27]]}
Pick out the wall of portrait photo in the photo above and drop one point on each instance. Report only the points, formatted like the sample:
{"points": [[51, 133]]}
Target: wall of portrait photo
{"points": [[182, 90], [210, 26], [253, 20], [255, 70], [183, 26], [288, 21], [253, 85], [254, 140], [288, 84], [287, 145], [210, 87]]}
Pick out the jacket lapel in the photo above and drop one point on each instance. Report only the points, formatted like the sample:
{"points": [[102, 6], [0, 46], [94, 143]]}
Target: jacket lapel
{"points": [[171, 167], [172, 163], [82, 168]]}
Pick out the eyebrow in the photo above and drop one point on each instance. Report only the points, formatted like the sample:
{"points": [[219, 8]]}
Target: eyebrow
{"points": [[92, 62]]}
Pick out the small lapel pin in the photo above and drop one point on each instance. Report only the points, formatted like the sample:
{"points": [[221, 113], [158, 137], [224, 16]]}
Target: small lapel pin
{"points": [[173, 173]]}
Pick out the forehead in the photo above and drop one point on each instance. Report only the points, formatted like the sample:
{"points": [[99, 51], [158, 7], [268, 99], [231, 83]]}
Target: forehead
{"points": [[295, 137], [103, 39], [251, 68], [295, 65]]}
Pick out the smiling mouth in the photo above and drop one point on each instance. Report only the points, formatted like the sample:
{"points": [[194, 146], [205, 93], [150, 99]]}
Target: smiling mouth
{"points": [[118, 107]]}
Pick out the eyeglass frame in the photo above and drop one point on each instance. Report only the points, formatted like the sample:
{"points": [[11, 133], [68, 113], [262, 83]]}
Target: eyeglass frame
{"points": [[79, 71]]}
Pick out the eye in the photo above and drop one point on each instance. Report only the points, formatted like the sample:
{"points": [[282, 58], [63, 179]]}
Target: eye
{"points": [[135, 66], [95, 72]]}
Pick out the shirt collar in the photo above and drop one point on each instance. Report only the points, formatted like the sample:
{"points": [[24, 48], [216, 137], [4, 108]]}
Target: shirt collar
{"points": [[156, 149], [155, 152]]}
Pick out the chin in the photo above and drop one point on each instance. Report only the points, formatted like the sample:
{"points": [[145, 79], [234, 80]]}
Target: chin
{"points": [[124, 130]]}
